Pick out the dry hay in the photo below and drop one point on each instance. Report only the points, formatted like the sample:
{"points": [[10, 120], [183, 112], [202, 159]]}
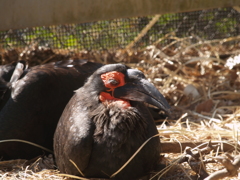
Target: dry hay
{"points": [[200, 80], [38, 168]]}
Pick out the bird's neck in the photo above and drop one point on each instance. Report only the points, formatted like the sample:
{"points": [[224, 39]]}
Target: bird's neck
{"points": [[116, 125], [108, 99]]}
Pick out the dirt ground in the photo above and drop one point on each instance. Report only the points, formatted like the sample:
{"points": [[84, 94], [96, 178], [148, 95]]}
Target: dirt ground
{"points": [[201, 81]]}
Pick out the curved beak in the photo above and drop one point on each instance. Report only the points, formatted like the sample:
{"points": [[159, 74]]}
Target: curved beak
{"points": [[140, 89]]}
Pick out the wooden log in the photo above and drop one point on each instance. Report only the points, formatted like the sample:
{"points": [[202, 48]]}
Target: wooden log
{"points": [[175, 147]]}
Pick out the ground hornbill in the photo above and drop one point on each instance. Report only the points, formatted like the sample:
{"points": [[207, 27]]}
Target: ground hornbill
{"points": [[104, 124]]}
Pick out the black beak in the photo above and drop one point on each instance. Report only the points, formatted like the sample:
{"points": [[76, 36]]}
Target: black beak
{"points": [[138, 88]]}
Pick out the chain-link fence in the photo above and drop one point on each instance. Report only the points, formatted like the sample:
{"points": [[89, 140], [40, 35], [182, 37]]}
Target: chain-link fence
{"points": [[117, 33]]}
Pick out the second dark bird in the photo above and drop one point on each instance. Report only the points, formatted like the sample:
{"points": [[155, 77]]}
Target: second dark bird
{"points": [[32, 101]]}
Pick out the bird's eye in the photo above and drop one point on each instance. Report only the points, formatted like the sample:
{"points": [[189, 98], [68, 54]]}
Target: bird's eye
{"points": [[113, 82], [113, 79]]}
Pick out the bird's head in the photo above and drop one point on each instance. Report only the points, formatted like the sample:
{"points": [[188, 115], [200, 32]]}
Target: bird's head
{"points": [[116, 83]]}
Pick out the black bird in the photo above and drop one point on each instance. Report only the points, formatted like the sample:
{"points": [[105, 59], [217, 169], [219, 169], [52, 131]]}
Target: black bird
{"points": [[35, 103], [105, 122]]}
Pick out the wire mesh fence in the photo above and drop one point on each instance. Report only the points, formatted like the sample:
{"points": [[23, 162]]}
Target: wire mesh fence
{"points": [[118, 33]]}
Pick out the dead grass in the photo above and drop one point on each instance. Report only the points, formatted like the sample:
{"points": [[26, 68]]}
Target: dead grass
{"points": [[203, 89], [200, 80]]}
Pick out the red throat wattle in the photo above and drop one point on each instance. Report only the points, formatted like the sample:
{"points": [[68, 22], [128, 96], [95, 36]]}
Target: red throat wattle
{"points": [[113, 80]]}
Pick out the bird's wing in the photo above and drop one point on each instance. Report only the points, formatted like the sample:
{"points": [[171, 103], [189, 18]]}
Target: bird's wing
{"points": [[73, 138]]}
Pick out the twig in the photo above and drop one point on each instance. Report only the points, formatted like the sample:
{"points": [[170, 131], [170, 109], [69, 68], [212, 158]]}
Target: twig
{"points": [[205, 117], [27, 142], [144, 31], [139, 149], [195, 159], [231, 168]]}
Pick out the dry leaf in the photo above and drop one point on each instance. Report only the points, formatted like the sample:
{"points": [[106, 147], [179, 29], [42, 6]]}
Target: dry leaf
{"points": [[205, 106]]}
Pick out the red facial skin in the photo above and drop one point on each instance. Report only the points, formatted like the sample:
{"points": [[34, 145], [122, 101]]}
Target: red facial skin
{"points": [[113, 80]]}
